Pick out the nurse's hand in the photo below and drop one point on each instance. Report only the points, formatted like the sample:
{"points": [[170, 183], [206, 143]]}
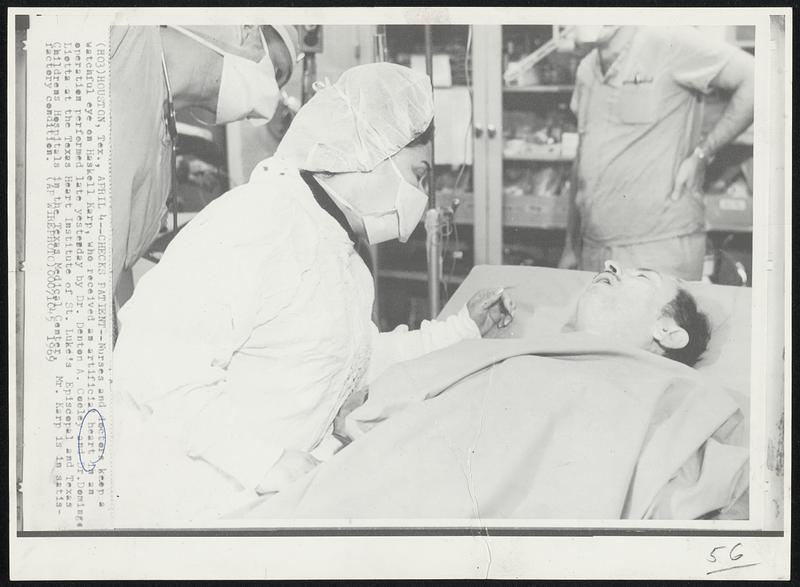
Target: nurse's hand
{"points": [[689, 179], [491, 307], [292, 465]]}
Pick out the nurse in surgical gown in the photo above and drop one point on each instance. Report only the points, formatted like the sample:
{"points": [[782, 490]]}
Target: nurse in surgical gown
{"points": [[242, 344]]}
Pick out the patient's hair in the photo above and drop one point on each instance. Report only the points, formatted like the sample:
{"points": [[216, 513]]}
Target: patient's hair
{"points": [[683, 309]]}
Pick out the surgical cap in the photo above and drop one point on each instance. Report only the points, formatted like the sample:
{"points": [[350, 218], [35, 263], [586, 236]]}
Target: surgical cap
{"points": [[368, 115]]}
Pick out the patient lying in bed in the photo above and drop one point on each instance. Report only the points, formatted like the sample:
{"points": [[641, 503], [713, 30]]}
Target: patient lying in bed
{"points": [[643, 308], [605, 421]]}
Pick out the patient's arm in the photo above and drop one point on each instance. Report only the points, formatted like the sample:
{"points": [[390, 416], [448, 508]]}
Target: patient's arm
{"points": [[487, 309]]}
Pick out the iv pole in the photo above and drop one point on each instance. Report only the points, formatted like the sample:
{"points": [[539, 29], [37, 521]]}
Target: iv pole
{"points": [[379, 48], [379, 53], [433, 217], [433, 226]]}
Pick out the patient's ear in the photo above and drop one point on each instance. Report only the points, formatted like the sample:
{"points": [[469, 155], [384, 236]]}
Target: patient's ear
{"points": [[668, 334]]}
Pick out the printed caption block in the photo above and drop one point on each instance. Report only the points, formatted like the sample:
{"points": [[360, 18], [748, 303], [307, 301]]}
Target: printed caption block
{"points": [[68, 310]]}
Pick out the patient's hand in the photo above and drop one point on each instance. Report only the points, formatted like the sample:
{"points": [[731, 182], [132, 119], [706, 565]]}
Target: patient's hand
{"points": [[491, 308], [292, 465]]}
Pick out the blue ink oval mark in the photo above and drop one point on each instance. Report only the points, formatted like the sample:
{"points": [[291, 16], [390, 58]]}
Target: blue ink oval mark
{"points": [[95, 426]]}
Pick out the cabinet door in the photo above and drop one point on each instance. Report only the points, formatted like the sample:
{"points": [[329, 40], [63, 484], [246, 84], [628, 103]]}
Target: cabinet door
{"points": [[487, 123]]}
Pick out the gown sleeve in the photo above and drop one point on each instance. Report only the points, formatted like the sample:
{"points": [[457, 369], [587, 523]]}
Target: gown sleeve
{"points": [[401, 344]]}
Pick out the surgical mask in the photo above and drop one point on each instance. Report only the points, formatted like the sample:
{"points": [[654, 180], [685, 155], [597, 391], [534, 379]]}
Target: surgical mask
{"points": [[248, 90], [398, 222]]}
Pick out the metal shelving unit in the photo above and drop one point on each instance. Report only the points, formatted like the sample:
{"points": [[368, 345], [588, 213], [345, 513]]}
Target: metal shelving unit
{"points": [[552, 157], [525, 212], [540, 89]]}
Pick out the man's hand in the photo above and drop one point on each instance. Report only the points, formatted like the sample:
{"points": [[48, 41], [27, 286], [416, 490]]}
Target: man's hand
{"points": [[292, 465], [569, 259], [491, 307], [689, 179]]}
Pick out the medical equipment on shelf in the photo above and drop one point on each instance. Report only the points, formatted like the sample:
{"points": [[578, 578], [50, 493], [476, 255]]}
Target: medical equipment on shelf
{"points": [[556, 43]]}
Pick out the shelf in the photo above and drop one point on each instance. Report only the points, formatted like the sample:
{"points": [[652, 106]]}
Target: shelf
{"points": [[543, 213], [729, 228], [539, 89], [554, 158], [723, 213], [415, 276]]}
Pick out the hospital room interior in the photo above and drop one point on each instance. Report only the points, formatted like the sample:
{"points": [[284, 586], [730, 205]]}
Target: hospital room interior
{"points": [[507, 144], [514, 106]]}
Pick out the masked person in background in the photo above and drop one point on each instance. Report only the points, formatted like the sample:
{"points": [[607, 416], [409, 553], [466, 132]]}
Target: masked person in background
{"points": [[239, 348], [637, 189], [224, 73]]}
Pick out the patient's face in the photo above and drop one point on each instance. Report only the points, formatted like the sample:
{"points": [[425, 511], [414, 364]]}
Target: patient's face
{"points": [[625, 303]]}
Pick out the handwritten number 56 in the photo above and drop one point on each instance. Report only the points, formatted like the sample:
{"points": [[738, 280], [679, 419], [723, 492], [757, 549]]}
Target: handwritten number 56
{"points": [[732, 553]]}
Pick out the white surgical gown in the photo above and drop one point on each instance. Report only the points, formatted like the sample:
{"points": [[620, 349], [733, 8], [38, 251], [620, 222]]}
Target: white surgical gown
{"points": [[243, 341]]}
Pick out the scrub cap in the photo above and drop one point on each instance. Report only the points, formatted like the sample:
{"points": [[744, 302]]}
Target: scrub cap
{"points": [[368, 115]]}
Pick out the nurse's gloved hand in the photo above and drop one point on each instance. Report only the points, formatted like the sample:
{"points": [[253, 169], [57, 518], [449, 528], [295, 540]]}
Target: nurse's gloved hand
{"points": [[292, 465], [490, 308]]}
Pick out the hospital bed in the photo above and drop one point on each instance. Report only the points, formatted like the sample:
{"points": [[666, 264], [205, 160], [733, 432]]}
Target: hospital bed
{"points": [[421, 439], [545, 298]]}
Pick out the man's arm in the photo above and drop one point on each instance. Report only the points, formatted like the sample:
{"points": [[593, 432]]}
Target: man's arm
{"points": [[738, 79]]}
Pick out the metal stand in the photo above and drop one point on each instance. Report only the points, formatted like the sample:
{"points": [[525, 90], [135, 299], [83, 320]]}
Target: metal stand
{"points": [[309, 76], [379, 48], [379, 53], [436, 221], [433, 225], [433, 247]]}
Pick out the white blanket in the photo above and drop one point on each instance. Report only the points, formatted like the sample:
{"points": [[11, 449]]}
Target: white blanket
{"points": [[564, 427]]}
